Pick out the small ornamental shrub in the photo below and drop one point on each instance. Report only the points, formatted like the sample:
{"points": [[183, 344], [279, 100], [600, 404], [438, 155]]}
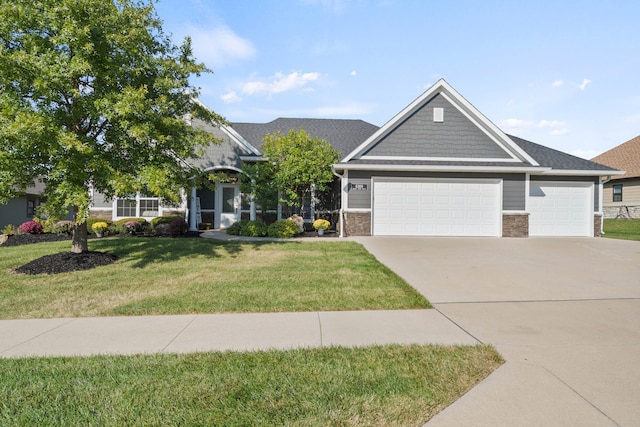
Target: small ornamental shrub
{"points": [[283, 228], [321, 224], [253, 229], [234, 229], [62, 227], [163, 220], [92, 220], [31, 227], [131, 226], [100, 227], [10, 229], [141, 225], [178, 227]]}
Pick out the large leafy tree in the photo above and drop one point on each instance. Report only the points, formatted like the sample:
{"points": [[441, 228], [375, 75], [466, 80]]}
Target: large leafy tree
{"points": [[299, 163], [94, 94]]}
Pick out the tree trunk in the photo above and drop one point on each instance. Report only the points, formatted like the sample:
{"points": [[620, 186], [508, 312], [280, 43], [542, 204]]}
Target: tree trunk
{"points": [[79, 241]]}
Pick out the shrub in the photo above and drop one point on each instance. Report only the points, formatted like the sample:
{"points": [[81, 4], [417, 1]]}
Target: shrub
{"points": [[163, 220], [234, 229], [283, 228], [46, 223], [63, 227], [141, 225], [10, 229], [253, 229], [178, 227], [91, 221], [31, 227]]}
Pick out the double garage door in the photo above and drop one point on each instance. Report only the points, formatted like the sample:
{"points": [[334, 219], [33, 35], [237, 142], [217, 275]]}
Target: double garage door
{"points": [[437, 207], [473, 207]]}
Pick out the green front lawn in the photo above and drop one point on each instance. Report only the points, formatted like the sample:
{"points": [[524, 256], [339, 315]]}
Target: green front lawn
{"points": [[179, 276], [385, 385], [628, 229]]}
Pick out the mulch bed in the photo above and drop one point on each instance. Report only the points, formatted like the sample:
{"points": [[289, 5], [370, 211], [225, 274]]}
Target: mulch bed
{"points": [[65, 262], [27, 239]]}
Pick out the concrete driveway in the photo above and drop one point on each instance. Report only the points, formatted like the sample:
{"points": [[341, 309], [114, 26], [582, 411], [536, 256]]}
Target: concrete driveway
{"points": [[564, 313]]}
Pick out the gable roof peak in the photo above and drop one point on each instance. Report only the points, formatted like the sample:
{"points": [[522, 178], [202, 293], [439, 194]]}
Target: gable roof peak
{"points": [[442, 87]]}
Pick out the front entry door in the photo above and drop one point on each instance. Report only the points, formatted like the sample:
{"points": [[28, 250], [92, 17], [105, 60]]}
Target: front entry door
{"points": [[230, 204]]}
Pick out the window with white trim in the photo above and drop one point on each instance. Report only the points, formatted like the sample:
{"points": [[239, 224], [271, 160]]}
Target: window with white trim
{"points": [[617, 193]]}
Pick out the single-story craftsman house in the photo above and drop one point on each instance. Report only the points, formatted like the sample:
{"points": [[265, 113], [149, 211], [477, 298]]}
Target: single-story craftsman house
{"points": [[621, 195], [438, 168]]}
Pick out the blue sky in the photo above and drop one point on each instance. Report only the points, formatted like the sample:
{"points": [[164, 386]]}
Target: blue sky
{"points": [[565, 74]]}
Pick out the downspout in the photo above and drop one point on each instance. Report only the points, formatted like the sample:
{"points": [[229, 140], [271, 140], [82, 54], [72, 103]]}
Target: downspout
{"points": [[341, 200]]}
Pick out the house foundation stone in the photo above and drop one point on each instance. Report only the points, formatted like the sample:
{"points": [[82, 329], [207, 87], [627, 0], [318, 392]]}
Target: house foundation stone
{"points": [[597, 225], [357, 223], [515, 225]]}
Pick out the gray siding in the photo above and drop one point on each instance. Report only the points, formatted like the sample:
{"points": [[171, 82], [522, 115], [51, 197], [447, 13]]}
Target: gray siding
{"points": [[224, 153], [595, 180], [513, 197], [101, 201], [14, 212], [359, 193], [420, 136]]}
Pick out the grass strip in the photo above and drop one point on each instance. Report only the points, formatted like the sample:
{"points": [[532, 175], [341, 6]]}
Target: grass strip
{"points": [[626, 229], [380, 385], [157, 276]]}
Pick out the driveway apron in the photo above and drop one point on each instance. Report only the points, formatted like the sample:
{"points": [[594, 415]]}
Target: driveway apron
{"points": [[564, 313]]}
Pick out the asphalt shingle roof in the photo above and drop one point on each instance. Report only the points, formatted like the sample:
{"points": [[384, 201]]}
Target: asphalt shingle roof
{"points": [[343, 135], [548, 157], [624, 157]]}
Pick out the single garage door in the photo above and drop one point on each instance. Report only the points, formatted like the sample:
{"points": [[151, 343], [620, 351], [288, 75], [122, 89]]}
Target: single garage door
{"points": [[560, 209], [436, 207]]}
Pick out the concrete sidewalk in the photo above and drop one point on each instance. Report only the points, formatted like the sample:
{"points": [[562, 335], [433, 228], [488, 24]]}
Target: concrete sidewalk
{"points": [[218, 332]]}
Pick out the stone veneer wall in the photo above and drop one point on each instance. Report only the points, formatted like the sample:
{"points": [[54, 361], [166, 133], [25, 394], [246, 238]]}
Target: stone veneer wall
{"points": [[515, 225], [621, 211], [100, 213], [357, 223], [597, 225]]}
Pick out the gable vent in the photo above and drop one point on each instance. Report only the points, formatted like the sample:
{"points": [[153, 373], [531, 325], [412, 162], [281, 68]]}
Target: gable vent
{"points": [[438, 115]]}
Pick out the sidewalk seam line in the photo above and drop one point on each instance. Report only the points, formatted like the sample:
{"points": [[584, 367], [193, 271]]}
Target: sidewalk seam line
{"points": [[179, 333], [455, 323], [39, 335], [581, 396], [320, 327]]}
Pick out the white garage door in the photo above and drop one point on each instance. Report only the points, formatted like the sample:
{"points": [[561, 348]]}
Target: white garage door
{"points": [[436, 207], [560, 209]]}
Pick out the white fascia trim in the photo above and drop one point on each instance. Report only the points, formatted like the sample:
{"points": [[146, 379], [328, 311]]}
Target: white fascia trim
{"points": [[578, 172], [391, 123], [440, 168], [442, 159], [505, 212], [357, 210], [253, 159], [237, 138], [487, 124]]}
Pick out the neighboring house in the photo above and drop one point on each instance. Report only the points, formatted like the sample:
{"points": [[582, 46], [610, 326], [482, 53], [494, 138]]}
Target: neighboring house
{"points": [[621, 197], [438, 168]]}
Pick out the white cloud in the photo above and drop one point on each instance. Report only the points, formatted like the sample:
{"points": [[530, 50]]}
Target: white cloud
{"points": [[559, 132], [584, 84], [220, 46], [551, 123], [231, 97], [557, 83], [279, 83], [353, 73]]}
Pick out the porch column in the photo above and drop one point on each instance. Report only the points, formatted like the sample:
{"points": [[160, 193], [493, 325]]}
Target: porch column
{"points": [[192, 211], [252, 212]]}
